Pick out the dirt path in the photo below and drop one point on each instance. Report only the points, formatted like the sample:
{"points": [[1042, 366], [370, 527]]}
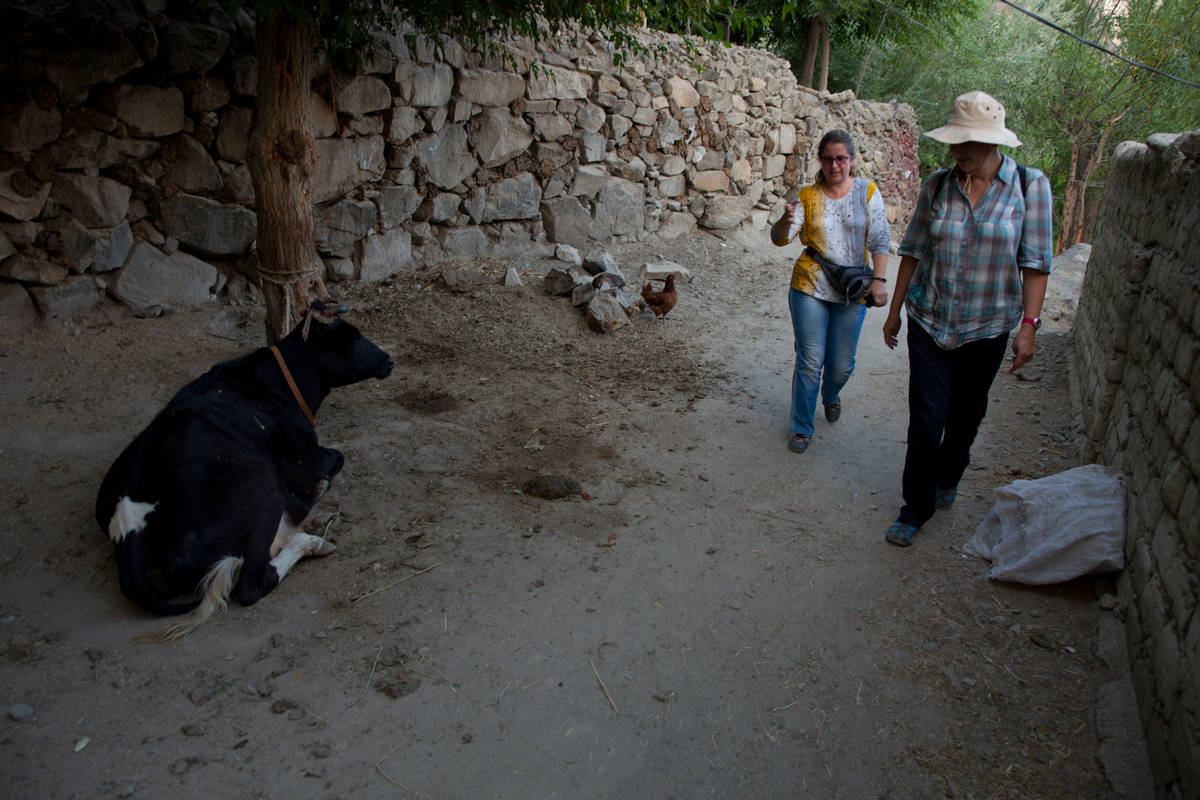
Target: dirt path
{"points": [[716, 617]]}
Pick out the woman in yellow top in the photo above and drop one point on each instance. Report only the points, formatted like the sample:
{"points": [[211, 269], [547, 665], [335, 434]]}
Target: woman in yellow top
{"points": [[842, 219]]}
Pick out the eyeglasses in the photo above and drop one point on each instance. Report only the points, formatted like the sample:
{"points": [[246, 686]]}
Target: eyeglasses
{"points": [[839, 160]]}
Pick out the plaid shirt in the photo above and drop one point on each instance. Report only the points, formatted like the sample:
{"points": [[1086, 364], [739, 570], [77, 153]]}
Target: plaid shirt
{"points": [[967, 283]]}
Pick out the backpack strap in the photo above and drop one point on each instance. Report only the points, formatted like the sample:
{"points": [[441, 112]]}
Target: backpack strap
{"points": [[867, 225], [1022, 177]]}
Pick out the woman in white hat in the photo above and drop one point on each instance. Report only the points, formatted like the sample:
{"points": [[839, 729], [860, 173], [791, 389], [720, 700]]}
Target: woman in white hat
{"points": [[974, 264]]}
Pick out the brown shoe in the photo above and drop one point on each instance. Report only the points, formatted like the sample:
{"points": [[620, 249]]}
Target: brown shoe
{"points": [[834, 412], [799, 442]]}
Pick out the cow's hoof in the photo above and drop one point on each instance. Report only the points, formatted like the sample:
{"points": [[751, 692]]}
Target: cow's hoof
{"points": [[323, 547]]}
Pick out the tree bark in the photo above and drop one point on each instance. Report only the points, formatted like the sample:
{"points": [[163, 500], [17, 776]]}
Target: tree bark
{"points": [[1071, 193], [823, 82], [810, 53], [1083, 166], [281, 157]]}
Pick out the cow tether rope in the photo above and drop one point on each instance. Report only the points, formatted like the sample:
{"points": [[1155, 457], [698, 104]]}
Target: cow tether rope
{"points": [[292, 385]]}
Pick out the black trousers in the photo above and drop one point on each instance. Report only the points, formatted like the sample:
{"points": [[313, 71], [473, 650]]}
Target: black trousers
{"points": [[947, 399]]}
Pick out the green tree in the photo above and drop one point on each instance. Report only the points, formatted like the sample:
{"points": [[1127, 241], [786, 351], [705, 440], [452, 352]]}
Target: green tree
{"points": [[1069, 102], [1095, 99]]}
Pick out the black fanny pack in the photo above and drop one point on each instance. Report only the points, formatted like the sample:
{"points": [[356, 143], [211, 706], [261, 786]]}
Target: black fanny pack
{"points": [[852, 282]]}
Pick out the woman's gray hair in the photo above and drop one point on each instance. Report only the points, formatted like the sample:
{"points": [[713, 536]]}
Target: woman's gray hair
{"points": [[836, 136]]}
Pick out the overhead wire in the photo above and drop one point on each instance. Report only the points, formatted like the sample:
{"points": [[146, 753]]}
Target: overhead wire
{"points": [[1101, 48]]}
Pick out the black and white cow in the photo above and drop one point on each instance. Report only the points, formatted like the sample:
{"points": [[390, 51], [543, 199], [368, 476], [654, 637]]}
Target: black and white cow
{"points": [[210, 498]]}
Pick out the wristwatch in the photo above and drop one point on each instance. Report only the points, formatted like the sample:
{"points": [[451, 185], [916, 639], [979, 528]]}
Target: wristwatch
{"points": [[1036, 322]]}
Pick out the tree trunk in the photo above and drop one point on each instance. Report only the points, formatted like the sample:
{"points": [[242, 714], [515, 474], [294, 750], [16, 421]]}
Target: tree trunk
{"points": [[823, 83], [281, 157], [1072, 193], [1074, 212], [810, 53]]}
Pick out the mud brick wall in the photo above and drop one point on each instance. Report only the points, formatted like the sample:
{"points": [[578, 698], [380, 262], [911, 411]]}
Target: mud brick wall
{"points": [[1137, 381]]}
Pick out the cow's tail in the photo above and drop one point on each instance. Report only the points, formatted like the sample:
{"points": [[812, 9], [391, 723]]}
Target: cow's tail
{"points": [[214, 592]]}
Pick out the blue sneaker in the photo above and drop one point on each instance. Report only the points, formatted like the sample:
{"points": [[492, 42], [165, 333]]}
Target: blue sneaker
{"points": [[944, 498], [901, 533]]}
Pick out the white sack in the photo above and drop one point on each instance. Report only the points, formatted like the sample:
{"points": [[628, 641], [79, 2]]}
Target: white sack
{"points": [[1055, 528]]}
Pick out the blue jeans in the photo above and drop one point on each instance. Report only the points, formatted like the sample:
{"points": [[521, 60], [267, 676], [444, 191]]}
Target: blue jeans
{"points": [[947, 400], [826, 338]]}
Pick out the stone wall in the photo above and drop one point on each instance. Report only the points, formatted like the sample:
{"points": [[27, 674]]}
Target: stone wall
{"points": [[123, 141], [1137, 381]]}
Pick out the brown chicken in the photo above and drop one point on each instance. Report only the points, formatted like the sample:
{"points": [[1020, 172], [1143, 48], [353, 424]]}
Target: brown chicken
{"points": [[662, 302]]}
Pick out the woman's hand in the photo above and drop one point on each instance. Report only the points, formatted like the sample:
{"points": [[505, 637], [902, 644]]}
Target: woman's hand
{"points": [[1022, 347], [790, 213], [879, 295], [891, 330], [783, 226]]}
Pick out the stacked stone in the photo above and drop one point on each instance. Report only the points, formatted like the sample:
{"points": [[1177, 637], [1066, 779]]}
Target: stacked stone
{"points": [[1137, 338], [124, 171]]}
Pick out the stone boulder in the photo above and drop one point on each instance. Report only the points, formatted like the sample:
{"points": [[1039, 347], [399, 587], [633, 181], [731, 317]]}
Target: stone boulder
{"points": [[464, 279], [463, 242], [620, 209], [424, 86], [151, 278], [148, 110], [682, 93], [605, 313], [75, 71], [112, 247], [725, 212], [191, 48], [216, 230], [345, 164], [233, 133], [17, 312], [363, 95], [340, 225], [385, 254], [405, 123], [487, 87], [549, 82], [513, 198], [396, 205], [499, 136], [446, 156], [68, 298], [206, 94], [32, 271], [565, 220], [191, 167], [14, 204], [97, 202], [29, 127]]}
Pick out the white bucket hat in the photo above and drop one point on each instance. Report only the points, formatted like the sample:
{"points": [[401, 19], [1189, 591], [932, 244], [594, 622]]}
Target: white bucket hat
{"points": [[976, 117]]}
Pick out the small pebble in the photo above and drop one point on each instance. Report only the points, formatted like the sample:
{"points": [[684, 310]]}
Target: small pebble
{"points": [[21, 712]]}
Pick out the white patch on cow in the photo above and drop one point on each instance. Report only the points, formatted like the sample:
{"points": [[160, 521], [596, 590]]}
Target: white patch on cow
{"points": [[283, 534], [214, 588], [130, 517], [300, 545]]}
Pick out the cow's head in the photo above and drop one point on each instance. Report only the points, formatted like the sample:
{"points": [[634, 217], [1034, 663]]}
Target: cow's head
{"points": [[341, 353]]}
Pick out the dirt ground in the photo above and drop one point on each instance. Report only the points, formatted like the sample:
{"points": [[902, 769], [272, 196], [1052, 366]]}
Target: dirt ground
{"points": [[714, 616]]}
